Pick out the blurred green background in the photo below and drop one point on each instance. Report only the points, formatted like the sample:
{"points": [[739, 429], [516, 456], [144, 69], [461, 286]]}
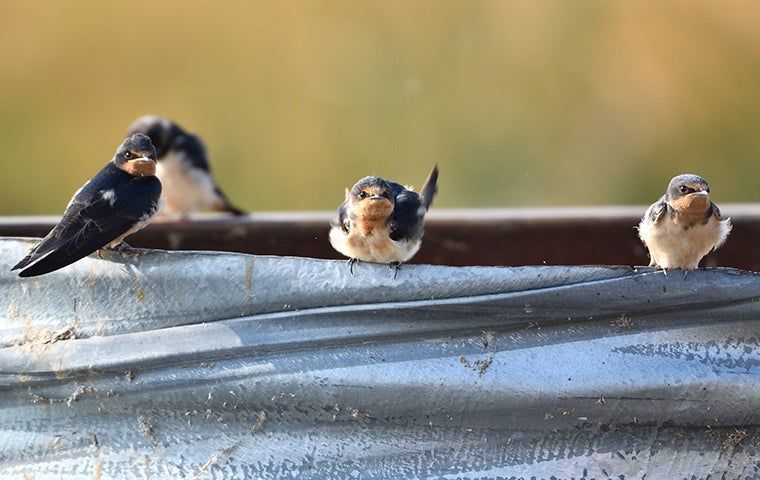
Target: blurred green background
{"points": [[519, 102]]}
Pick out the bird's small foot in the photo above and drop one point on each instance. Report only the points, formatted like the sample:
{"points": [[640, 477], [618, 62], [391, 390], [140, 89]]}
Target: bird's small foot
{"points": [[125, 249], [396, 267], [351, 264], [122, 247]]}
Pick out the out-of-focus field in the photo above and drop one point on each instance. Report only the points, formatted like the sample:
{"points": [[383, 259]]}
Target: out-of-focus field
{"points": [[519, 102]]}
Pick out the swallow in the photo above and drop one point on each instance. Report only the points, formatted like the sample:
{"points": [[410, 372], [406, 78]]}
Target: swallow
{"points": [[684, 225], [381, 221], [183, 169], [118, 201]]}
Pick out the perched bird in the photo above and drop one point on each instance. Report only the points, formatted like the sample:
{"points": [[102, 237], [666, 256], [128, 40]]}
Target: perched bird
{"points": [[382, 221], [183, 169], [684, 225], [115, 203]]}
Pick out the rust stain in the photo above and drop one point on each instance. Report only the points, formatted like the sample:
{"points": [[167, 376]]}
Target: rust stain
{"points": [[98, 470]]}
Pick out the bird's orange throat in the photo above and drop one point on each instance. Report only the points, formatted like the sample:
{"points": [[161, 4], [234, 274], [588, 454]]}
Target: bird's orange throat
{"points": [[139, 168], [372, 215], [692, 205]]}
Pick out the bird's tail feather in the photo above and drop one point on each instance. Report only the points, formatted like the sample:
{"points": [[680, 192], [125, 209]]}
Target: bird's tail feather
{"points": [[225, 206], [30, 257], [430, 188], [52, 261], [24, 262], [229, 208]]}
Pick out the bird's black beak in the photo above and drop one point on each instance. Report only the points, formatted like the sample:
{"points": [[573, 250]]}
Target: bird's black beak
{"points": [[377, 197]]}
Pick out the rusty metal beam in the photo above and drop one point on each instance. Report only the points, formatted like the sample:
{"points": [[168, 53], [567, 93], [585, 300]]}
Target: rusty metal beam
{"points": [[508, 237]]}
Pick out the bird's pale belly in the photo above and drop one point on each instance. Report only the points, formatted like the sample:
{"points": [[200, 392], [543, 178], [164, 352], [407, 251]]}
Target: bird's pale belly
{"points": [[185, 189], [672, 246], [375, 247]]}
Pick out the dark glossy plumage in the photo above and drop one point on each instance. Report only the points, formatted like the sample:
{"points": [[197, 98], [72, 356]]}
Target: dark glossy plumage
{"points": [[410, 208], [657, 210], [92, 221]]}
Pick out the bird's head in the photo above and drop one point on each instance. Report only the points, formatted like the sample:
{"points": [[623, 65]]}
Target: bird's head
{"points": [[688, 193], [371, 198], [136, 155], [162, 132]]}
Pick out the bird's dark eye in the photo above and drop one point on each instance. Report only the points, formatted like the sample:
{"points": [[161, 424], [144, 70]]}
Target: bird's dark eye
{"points": [[684, 189], [363, 194], [127, 155]]}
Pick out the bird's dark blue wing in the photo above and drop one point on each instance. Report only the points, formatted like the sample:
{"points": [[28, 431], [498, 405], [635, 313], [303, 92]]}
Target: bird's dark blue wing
{"points": [[93, 220], [342, 220], [406, 221], [657, 211], [715, 211], [193, 149], [409, 212]]}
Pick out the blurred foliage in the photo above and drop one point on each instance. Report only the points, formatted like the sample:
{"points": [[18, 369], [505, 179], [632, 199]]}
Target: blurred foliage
{"points": [[520, 102]]}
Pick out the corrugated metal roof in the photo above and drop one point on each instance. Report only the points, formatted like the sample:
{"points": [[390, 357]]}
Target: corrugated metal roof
{"points": [[213, 365]]}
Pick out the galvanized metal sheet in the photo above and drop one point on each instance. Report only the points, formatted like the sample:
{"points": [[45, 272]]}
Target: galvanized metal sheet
{"points": [[158, 289], [204, 365]]}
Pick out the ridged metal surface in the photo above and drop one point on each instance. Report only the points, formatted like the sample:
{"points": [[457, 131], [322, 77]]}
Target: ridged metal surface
{"points": [[208, 365]]}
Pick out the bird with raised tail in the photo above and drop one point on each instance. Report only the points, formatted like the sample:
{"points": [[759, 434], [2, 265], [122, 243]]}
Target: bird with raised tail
{"points": [[684, 225], [183, 169], [118, 201], [382, 221]]}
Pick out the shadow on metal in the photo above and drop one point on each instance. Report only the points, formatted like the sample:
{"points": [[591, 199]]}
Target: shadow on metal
{"points": [[213, 365]]}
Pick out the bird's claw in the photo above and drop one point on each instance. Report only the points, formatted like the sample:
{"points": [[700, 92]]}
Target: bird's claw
{"points": [[125, 249], [395, 266], [351, 263]]}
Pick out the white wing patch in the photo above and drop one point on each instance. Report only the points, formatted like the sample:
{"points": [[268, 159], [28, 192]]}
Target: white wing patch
{"points": [[109, 196]]}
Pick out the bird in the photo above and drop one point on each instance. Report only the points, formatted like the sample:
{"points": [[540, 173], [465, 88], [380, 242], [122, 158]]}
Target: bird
{"points": [[118, 201], [183, 169], [684, 225], [382, 221]]}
